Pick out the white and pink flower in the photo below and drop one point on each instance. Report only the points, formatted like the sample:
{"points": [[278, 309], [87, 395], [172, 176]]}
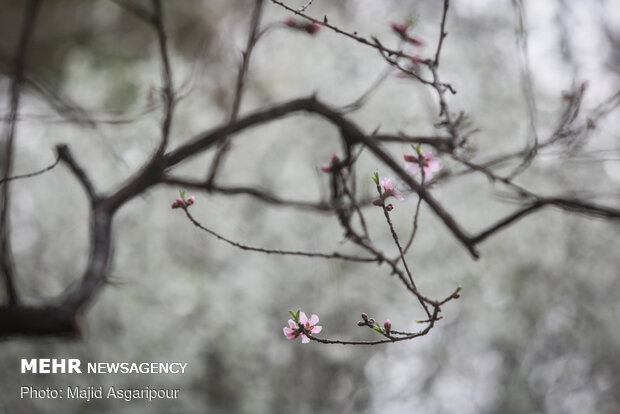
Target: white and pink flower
{"points": [[425, 162], [293, 330], [390, 190]]}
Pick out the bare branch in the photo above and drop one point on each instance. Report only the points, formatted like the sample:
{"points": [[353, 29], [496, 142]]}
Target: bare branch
{"points": [[168, 88], [32, 174], [6, 265], [65, 154], [253, 36], [442, 32], [242, 246], [252, 191]]}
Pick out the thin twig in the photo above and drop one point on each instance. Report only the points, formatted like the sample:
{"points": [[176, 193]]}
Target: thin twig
{"points": [[415, 226], [442, 32], [242, 246], [253, 37], [32, 174]]}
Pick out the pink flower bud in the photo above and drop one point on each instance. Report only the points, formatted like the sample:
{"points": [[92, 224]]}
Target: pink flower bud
{"points": [[364, 316], [400, 28], [178, 203], [361, 323], [290, 22], [387, 325], [371, 321], [410, 157], [389, 207], [377, 202], [326, 168], [190, 200]]}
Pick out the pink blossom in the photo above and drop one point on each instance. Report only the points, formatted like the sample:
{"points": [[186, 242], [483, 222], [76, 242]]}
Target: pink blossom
{"points": [[400, 28], [182, 203], [178, 203], [390, 190], [293, 330], [427, 162]]}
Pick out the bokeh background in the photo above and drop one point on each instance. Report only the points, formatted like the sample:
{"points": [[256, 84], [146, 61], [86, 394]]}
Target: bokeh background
{"points": [[537, 328]]}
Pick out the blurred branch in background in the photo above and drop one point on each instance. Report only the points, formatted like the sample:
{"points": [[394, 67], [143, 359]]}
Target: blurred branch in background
{"points": [[453, 143]]}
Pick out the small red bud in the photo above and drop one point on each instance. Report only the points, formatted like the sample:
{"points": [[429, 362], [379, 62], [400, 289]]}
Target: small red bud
{"points": [[371, 321], [361, 323], [364, 316]]}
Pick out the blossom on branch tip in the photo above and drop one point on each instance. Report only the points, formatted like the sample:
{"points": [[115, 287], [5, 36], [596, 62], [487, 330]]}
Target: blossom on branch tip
{"points": [[305, 324], [390, 190], [424, 161], [180, 202], [400, 28], [387, 325]]}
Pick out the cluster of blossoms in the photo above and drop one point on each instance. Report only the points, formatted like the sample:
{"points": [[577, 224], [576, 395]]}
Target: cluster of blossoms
{"points": [[181, 202], [309, 27], [401, 29], [300, 324], [423, 162], [371, 323]]}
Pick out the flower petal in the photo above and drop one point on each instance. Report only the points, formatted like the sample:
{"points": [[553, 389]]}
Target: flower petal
{"points": [[303, 318], [398, 195], [304, 339], [317, 329], [313, 319], [412, 168], [435, 164], [292, 324]]}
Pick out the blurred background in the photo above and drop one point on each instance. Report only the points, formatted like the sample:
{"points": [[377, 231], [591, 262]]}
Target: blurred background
{"points": [[537, 328]]}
